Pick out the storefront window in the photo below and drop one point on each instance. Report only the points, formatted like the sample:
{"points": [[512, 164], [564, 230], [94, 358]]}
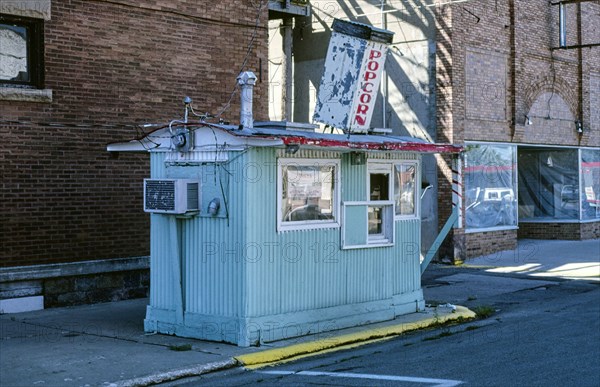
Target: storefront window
{"points": [[590, 184], [548, 184], [490, 186]]}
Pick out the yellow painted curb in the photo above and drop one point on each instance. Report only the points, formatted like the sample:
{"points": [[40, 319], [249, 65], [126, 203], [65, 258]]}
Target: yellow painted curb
{"points": [[280, 354]]}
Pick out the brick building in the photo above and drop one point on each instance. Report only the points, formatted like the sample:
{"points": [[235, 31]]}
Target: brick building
{"points": [[526, 106], [74, 76]]}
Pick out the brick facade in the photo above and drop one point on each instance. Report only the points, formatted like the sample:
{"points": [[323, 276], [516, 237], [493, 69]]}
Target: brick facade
{"points": [[570, 231], [112, 65], [485, 243], [494, 66]]}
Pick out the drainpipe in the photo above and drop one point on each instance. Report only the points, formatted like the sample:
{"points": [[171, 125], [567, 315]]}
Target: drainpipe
{"points": [[579, 72], [246, 80], [384, 78], [562, 25], [513, 69]]}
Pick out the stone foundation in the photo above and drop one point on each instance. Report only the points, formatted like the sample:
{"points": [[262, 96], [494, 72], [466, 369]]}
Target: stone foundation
{"points": [[75, 283]]}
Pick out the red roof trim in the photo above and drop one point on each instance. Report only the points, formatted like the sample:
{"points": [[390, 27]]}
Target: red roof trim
{"points": [[384, 146]]}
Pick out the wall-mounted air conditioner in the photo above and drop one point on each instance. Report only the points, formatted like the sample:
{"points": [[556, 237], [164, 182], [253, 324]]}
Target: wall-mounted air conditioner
{"points": [[171, 196]]}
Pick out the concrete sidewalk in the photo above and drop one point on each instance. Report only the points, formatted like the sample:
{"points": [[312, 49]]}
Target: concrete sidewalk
{"points": [[104, 344], [545, 259]]}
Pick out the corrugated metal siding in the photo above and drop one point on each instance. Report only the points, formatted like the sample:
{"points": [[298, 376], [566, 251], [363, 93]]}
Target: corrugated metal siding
{"points": [[211, 249], [303, 270], [405, 273], [241, 266], [161, 294], [354, 180], [392, 156]]}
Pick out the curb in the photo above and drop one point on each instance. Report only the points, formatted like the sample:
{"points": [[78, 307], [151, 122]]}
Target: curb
{"points": [[176, 374], [264, 358]]}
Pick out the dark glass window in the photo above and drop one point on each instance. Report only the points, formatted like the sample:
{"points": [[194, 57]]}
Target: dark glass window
{"points": [[21, 52]]}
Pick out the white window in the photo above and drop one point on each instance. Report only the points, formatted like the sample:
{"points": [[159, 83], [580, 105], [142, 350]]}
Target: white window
{"points": [[391, 196], [308, 194], [405, 189], [379, 211]]}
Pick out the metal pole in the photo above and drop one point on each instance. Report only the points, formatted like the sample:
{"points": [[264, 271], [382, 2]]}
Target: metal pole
{"points": [[384, 85], [286, 64]]}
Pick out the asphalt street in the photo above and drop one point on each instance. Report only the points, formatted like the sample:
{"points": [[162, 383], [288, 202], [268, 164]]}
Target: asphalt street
{"points": [[540, 334]]}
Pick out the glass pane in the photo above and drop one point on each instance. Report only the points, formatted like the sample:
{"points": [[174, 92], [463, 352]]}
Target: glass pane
{"points": [[548, 184], [379, 186], [490, 186], [590, 184], [375, 220], [404, 189], [13, 53], [308, 193]]}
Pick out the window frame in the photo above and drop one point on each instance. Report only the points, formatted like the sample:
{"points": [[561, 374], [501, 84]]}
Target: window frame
{"points": [[35, 51], [416, 190], [377, 240], [309, 224], [386, 237]]}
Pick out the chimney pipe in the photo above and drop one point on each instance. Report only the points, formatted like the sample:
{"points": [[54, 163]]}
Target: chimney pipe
{"points": [[246, 80]]}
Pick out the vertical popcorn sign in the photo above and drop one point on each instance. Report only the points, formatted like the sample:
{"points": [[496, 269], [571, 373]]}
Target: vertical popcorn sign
{"points": [[369, 80], [352, 75]]}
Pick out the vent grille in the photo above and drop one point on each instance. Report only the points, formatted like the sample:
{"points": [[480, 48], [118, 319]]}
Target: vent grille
{"points": [[160, 195], [192, 196], [171, 196]]}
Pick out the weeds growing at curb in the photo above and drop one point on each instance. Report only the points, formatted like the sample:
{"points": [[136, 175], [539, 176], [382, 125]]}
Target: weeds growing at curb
{"points": [[442, 334], [483, 311]]}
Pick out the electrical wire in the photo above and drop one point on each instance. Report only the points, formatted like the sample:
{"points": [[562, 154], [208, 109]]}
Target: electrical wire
{"points": [[403, 4], [245, 61], [140, 133], [177, 13]]}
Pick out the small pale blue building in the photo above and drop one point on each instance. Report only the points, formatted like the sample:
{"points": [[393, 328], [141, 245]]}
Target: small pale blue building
{"points": [[272, 230]]}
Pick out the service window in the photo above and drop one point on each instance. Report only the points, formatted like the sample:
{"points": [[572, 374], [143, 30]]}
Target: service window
{"points": [[379, 210], [308, 194]]}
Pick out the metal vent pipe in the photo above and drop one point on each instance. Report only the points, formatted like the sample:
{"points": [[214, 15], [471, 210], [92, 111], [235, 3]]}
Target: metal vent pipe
{"points": [[246, 80]]}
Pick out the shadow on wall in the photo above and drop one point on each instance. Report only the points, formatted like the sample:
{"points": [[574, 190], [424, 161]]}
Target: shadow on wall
{"points": [[410, 87]]}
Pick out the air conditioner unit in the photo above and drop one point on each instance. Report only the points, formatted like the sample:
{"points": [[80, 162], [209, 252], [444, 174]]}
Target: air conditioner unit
{"points": [[171, 196]]}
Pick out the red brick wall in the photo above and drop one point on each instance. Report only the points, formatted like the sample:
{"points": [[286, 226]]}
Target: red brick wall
{"points": [[571, 231], [64, 198], [484, 243], [485, 85], [484, 28]]}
